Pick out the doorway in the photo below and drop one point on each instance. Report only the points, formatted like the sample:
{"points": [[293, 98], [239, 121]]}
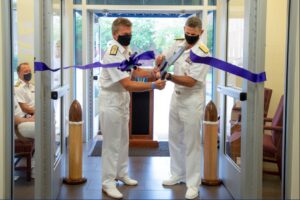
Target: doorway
{"points": [[8, 92], [154, 27], [24, 116]]}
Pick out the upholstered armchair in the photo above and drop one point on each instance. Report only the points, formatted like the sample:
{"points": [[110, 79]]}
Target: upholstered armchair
{"points": [[24, 147], [272, 143], [236, 109]]}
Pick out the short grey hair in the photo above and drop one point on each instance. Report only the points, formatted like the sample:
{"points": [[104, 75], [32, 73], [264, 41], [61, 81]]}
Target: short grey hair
{"points": [[120, 21], [20, 66], [194, 22]]}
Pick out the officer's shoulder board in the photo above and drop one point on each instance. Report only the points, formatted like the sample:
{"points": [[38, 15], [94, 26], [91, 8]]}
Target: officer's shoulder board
{"points": [[114, 50], [18, 83], [204, 48]]}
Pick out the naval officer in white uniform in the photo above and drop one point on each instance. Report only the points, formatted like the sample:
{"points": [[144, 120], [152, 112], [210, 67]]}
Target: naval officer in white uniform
{"points": [[114, 108], [186, 109], [25, 90]]}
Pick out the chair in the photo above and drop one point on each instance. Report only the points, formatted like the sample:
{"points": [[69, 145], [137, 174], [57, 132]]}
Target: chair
{"points": [[267, 100], [24, 147], [272, 144], [235, 142], [236, 109]]}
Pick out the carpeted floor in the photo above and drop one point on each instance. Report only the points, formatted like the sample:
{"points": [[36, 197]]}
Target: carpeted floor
{"points": [[161, 151]]}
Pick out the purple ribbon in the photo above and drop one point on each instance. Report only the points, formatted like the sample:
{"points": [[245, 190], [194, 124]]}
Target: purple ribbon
{"points": [[126, 65], [134, 59], [227, 67]]}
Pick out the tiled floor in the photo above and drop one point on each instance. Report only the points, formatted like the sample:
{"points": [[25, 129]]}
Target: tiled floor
{"points": [[149, 171]]}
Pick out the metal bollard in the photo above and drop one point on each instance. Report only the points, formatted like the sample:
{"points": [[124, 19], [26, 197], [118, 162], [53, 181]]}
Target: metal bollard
{"points": [[210, 131], [75, 145]]}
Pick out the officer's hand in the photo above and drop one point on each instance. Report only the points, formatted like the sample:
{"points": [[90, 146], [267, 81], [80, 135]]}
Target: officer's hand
{"points": [[159, 59], [168, 76], [155, 73], [31, 119], [160, 84]]}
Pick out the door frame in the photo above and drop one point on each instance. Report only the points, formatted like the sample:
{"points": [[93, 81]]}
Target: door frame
{"points": [[8, 98], [292, 54], [250, 176], [87, 22], [256, 29], [48, 171]]}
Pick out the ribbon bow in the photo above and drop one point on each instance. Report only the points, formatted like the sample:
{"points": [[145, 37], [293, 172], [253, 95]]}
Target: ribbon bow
{"points": [[126, 65], [134, 59]]}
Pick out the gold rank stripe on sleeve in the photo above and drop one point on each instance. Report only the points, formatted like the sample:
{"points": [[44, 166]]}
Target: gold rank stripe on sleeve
{"points": [[114, 50], [204, 48]]}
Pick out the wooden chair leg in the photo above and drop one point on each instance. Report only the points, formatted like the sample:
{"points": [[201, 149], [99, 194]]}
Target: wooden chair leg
{"points": [[28, 171], [279, 167]]}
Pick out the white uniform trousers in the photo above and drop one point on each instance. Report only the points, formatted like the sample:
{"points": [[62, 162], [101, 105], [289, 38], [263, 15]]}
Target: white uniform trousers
{"points": [[184, 137], [26, 129], [114, 127]]}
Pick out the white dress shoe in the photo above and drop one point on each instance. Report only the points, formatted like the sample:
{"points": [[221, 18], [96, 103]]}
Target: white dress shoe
{"points": [[128, 181], [173, 180], [191, 193], [112, 192]]}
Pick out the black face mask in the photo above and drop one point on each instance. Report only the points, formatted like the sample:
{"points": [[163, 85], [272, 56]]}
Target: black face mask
{"points": [[191, 39], [124, 40], [27, 77]]}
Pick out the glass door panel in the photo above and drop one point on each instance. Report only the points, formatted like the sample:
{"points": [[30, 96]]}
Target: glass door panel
{"points": [[97, 55], [235, 49], [233, 127], [56, 79]]}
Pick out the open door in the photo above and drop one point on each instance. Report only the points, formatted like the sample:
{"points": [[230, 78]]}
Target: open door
{"points": [[241, 120], [50, 94]]}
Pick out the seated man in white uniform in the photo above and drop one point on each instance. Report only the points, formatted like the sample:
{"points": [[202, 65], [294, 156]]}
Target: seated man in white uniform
{"points": [[186, 109], [24, 89], [114, 108], [24, 125]]}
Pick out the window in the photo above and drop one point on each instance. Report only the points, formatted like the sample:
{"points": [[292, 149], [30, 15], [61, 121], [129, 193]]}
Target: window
{"points": [[78, 56], [15, 40], [154, 34], [211, 33], [212, 2], [144, 2], [77, 1]]}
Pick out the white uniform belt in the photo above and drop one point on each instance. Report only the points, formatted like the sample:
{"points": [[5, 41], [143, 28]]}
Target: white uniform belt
{"points": [[113, 89], [186, 92]]}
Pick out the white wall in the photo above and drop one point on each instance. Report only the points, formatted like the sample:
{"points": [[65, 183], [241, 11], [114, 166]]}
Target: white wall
{"points": [[25, 32], [275, 50], [1, 114]]}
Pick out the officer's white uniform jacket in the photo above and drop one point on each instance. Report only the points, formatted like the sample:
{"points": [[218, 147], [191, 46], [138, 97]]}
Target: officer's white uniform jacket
{"points": [[25, 93], [186, 112], [184, 66], [26, 129], [17, 109], [114, 116]]}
